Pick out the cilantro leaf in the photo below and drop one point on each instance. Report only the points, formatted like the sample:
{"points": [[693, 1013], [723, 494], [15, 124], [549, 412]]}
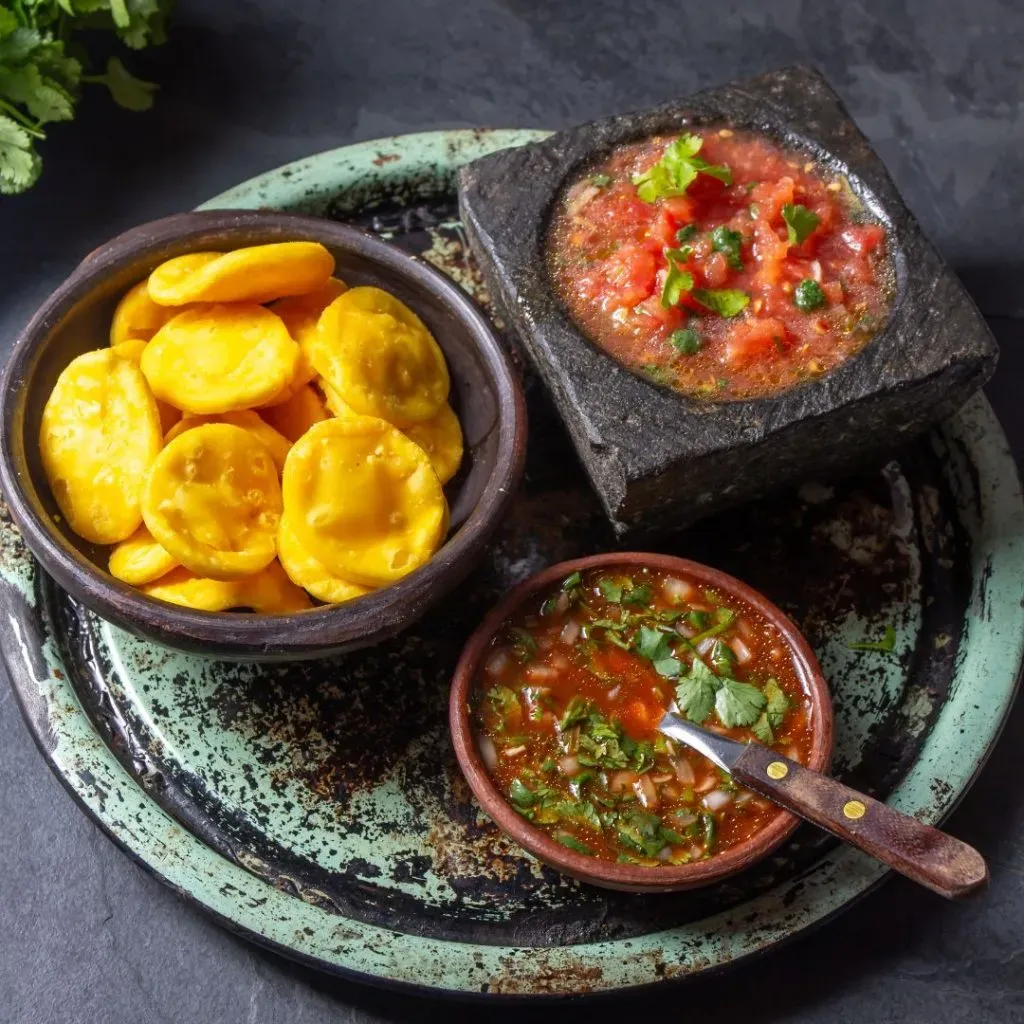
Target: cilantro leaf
{"points": [[653, 644], [686, 341], [738, 704], [506, 704], [723, 620], [677, 170], [723, 301], [638, 595], [885, 645], [677, 280], [600, 180], [762, 730], [125, 89], [8, 22], [521, 795], [695, 693], [524, 647], [777, 703], [566, 839], [808, 296], [575, 711], [728, 243], [19, 162], [670, 668], [610, 590], [800, 222]]}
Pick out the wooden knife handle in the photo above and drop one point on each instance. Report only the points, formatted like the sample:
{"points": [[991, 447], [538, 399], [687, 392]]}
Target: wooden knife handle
{"points": [[944, 864]]}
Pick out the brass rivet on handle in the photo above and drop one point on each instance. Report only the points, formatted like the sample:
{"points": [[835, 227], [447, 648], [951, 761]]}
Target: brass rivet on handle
{"points": [[777, 770], [854, 809]]}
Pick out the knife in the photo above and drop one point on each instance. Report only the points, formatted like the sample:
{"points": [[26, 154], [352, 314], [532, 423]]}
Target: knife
{"points": [[922, 853]]}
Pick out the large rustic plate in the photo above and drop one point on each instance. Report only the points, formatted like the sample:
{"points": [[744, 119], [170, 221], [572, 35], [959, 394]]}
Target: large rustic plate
{"points": [[317, 808]]}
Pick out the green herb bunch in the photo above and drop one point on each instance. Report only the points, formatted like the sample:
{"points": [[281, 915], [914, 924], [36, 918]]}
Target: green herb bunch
{"points": [[44, 63]]}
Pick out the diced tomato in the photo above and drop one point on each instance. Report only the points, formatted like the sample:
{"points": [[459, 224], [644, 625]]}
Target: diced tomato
{"points": [[672, 317], [770, 196], [752, 339], [715, 270], [615, 660], [770, 251], [863, 238], [833, 292], [663, 231], [630, 275], [639, 718], [705, 188], [681, 208]]}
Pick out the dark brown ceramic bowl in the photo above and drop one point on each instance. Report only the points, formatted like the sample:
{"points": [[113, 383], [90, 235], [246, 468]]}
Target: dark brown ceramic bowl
{"points": [[630, 877], [76, 318]]}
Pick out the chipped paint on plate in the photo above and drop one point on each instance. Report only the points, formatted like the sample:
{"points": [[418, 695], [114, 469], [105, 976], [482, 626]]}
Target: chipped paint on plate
{"points": [[281, 799]]}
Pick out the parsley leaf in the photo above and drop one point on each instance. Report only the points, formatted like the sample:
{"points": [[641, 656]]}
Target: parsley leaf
{"points": [[807, 295], [885, 645], [738, 704], [695, 694], [677, 170], [800, 222], [723, 301], [728, 243], [677, 280]]}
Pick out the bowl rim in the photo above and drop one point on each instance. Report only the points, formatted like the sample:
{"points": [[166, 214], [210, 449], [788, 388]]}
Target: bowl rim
{"points": [[608, 874], [365, 620]]}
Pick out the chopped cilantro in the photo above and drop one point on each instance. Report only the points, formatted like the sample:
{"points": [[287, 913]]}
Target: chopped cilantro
{"points": [[601, 180], [505, 702], [573, 580], [738, 704], [698, 619], [677, 170], [572, 842], [658, 374], [722, 657], [610, 590], [686, 341], [670, 668], [777, 703], [800, 222], [695, 693], [521, 795], [652, 644], [677, 280], [807, 295], [524, 647], [726, 302], [638, 595], [684, 234], [885, 645], [575, 711], [728, 243], [723, 620], [710, 830], [762, 730]]}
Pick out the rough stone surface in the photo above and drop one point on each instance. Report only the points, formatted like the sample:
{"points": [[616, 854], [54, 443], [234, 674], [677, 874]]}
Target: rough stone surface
{"points": [[659, 459], [85, 935]]}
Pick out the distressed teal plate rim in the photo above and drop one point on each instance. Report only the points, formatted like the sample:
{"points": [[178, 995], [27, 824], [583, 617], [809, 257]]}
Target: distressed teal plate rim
{"points": [[969, 724]]}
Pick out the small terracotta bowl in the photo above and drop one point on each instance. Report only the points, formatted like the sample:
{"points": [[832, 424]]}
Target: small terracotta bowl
{"points": [[76, 318], [610, 875]]}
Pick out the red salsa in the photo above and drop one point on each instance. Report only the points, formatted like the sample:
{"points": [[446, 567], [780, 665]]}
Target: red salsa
{"points": [[568, 702], [719, 264]]}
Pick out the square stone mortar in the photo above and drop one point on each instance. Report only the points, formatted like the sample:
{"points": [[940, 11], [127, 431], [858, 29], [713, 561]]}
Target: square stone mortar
{"points": [[657, 459]]}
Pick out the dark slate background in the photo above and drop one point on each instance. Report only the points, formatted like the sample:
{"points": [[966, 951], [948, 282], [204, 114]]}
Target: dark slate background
{"points": [[85, 936]]}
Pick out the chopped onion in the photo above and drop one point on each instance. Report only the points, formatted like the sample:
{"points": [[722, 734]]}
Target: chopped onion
{"points": [[659, 779], [717, 799], [664, 853], [620, 780], [614, 691], [497, 662], [708, 783], [670, 791], [488, 752], [683, 819], [704, 647], [741, 650], [559, 662], [760, 803], [645, 792], [684, 772], [744, 798], [677, 591], [815, 268], [577, 202], [696, 852], [568, 765], [744, 628], [514, 751], [535, 673], [570, 632], [562, 604], [794, 755], [683, 628]]}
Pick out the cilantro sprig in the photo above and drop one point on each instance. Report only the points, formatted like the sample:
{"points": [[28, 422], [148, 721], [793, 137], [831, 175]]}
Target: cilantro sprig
{"points": [[727, 302], [800, 222], [677, 170], [42, 70]]}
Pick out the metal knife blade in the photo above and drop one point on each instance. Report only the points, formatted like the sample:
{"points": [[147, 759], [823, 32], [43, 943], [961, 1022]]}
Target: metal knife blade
{"points": [[723, 751]]}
